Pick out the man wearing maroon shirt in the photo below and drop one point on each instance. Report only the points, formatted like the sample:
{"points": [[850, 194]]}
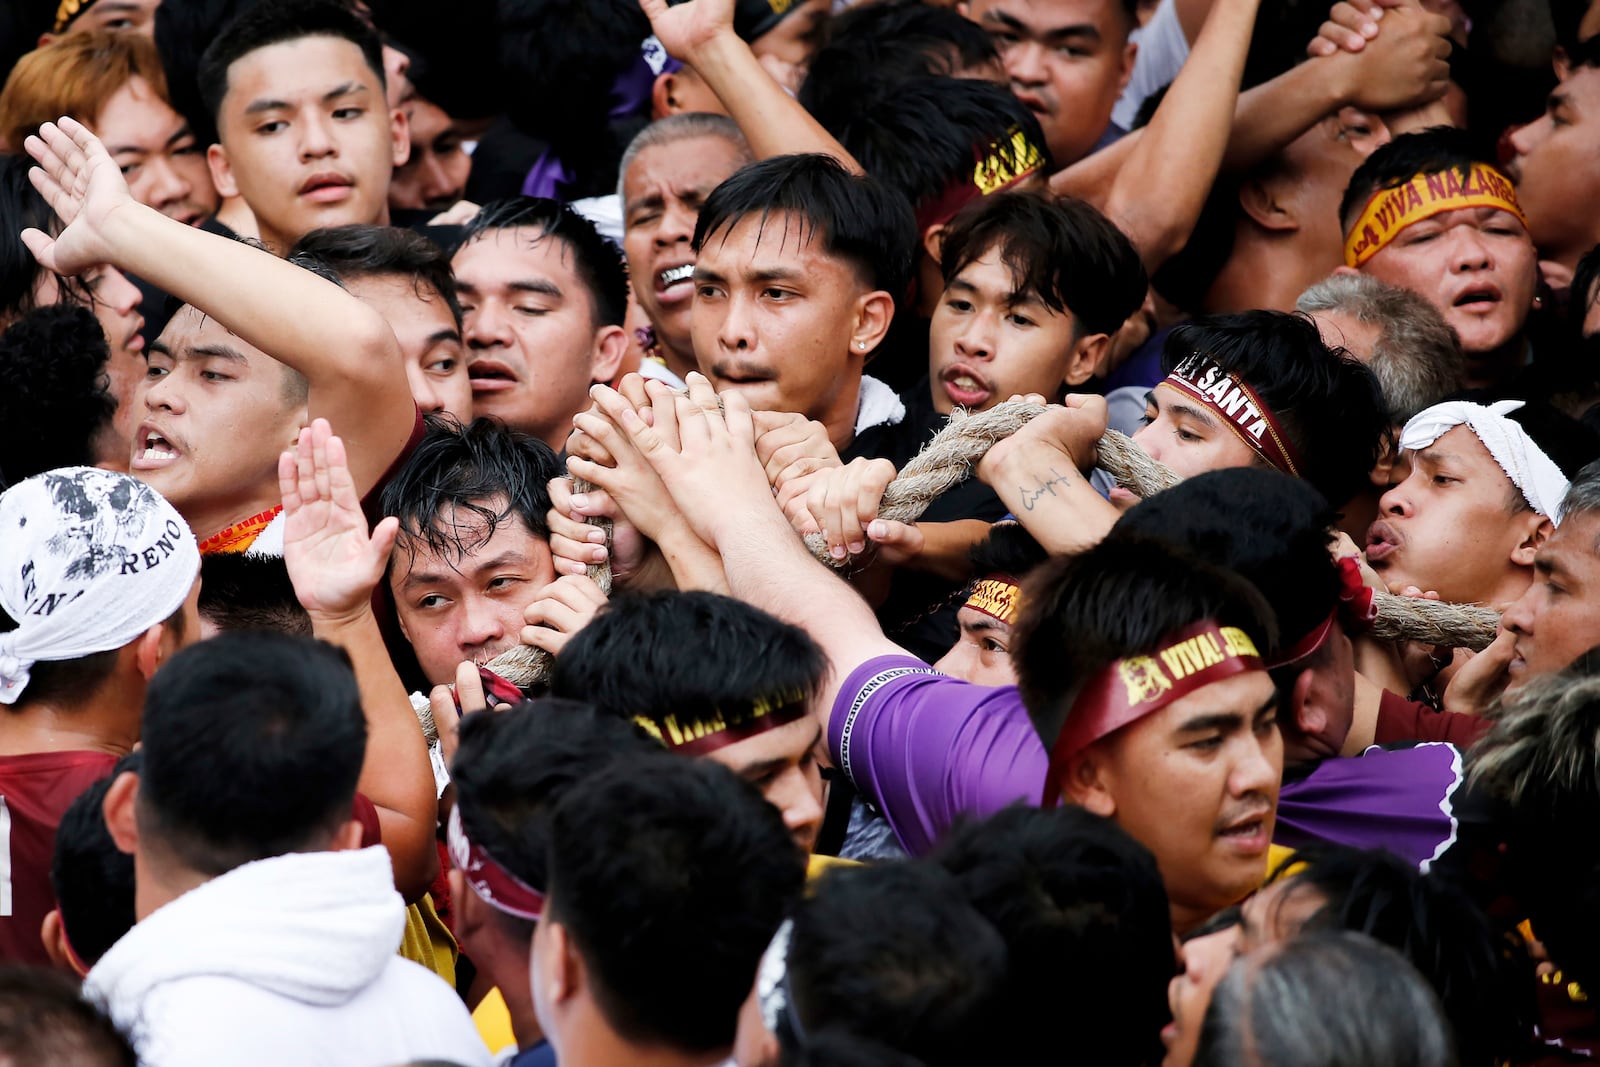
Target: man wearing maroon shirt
{"points": [[98, 586]]}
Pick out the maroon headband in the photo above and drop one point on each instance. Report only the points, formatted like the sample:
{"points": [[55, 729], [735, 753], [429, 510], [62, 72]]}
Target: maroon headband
{"points": [[1131, 688], [991, 173], [498, 887], [703, 734], [1356, 610], [1240, 408]]}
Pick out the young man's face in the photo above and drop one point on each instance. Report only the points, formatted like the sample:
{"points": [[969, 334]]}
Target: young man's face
{"points": [[164, 165], [1197, 784], [982, 654], [1067, 61], [468, 607], [1558, 618], [215, 413], [436, 365], [661, 196], [1446, 524], [990, 340], [135, 16], [307, 138], [1188, 436], [1557, 168], [434, 176], [782, 763], [1476, 265], [774, 316], [533, 345]]}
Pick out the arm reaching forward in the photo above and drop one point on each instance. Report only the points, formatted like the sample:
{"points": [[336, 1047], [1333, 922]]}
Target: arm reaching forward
{"points": [[707, 460], [345, 349]]}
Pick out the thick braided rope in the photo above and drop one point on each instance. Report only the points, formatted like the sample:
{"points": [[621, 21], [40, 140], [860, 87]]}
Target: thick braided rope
{"points": [[950, 457], [955, 450]]}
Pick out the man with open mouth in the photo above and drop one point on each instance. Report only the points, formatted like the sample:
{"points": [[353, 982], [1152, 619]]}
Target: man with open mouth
{"points": [[543, 297], [1427, 213]]}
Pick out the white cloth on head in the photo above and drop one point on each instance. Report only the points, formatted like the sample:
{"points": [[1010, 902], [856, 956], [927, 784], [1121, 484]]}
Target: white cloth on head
{"points": [[879, 405], [1530, 470], [89, 560]]}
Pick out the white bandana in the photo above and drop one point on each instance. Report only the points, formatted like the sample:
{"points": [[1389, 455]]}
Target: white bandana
{"points": [[89, 560], [1530, 470]]}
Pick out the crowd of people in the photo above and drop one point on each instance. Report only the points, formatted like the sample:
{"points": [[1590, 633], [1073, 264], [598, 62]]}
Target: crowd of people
{"points": [[800, 532]]}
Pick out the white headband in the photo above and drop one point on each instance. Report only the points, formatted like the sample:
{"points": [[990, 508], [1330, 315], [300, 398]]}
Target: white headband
{"points": [[89, 560], [1530, 470]]}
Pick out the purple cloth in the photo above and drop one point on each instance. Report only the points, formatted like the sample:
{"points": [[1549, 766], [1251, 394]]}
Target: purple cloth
{"points": [[927, 749]]}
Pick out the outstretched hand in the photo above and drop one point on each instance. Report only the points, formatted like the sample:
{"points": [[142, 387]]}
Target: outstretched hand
{"points": [[84, 187], [331, 560], [684, 28]]}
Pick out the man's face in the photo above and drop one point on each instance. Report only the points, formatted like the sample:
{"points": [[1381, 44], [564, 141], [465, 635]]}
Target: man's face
{"points": [[436, 366], [135, 16], [1558, 618], [1188, 436], [1315, 168], [990, 340], [457, 607], [307, 138], [1067, 61], [793, 40], [1446, 524], [1476, 265], [782, 763], [982, 654], [530, 330], [1273, 914], [215, 414], [164, 165], [773, 318], [434, 177], [1557, 168], [661, 197], [1197, 784]]}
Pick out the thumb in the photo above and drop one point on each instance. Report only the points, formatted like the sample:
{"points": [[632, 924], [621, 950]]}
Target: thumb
{"points": [[899, 540], [383, 538], [42, 246]]}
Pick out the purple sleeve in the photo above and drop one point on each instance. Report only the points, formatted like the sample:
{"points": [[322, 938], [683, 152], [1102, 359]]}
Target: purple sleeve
{"points": [[926, 748]]}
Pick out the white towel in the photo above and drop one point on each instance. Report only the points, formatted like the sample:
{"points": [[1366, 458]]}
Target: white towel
{"points": [[1530, 470]]}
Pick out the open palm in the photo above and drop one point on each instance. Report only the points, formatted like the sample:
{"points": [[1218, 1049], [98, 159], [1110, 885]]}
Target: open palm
{"points": [[331, 560], [84, 187], [683, 28]]}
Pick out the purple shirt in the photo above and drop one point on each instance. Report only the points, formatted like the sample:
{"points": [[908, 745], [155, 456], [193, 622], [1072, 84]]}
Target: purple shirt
{"points": [[926, 749]]}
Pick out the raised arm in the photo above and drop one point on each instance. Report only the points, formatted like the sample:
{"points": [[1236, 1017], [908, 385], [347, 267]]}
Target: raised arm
{"points": [[344, 348], [700, 33], [335, 565]]}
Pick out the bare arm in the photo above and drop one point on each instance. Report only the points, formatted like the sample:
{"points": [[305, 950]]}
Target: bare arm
{"points": [[335, 566], [1155, 204], [345, 349], [700, 33], [1035, 473]]}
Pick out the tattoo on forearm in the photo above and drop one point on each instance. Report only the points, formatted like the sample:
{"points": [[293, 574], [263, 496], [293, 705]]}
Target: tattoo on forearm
{"points": [[1031, 496]]}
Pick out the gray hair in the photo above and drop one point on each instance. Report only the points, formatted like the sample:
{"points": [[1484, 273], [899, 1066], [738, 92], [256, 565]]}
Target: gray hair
{"points": [[1583, 493], [1417, 359], [1324, 1000], [684, 126], [1542, 755]]}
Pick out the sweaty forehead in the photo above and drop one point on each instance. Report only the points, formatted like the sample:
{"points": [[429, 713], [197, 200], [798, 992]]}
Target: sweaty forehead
{"points": [[514, 254], [1460, 448], [757, 243], [706, 161], [190, 328], [294, 69]]}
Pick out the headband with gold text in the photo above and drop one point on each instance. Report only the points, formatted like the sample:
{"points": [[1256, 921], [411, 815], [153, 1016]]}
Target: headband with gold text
{"points": [[1131, 688], [1422, 197], [991, 173], [701, 734], [997, 596], [498, 887], [1240, 408]]}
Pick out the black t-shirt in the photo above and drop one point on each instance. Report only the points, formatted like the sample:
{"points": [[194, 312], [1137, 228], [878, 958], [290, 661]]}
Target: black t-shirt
{"points": [[920, 612]]}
